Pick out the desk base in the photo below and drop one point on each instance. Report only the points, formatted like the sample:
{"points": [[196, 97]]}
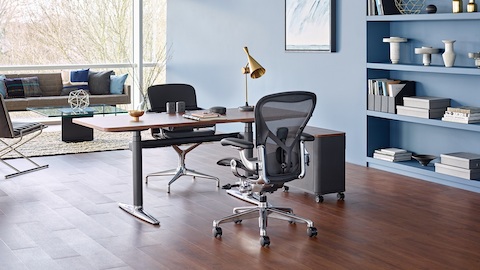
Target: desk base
{"points": [[138, 212]]}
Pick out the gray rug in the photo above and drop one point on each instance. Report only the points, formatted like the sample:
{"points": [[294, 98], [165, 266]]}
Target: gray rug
{"points": [[50, 143]]}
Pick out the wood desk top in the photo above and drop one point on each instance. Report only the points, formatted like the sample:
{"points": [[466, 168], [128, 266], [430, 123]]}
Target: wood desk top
{"points": [[119, 123]]}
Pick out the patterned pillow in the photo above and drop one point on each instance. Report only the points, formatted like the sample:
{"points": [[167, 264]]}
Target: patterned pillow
{"points": [[23, 87], [31, 87]]}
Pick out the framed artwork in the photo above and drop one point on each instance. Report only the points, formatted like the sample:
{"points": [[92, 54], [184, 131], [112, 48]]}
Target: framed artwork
{"points": [[310, 25]]}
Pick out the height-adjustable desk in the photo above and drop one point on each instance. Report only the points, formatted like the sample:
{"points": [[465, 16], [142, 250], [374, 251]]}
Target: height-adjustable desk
{"points": [[124, 123]]}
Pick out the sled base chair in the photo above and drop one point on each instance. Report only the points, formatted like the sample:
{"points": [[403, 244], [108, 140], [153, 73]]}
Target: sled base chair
{"points": [[12, 136], [187, 137], [281, 157]]}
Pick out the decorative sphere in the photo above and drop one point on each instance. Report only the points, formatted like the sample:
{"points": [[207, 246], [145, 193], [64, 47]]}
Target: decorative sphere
{"points": [[431, 9]]}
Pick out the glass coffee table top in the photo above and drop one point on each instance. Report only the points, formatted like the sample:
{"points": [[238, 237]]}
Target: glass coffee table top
{"points": [[65, 111]]}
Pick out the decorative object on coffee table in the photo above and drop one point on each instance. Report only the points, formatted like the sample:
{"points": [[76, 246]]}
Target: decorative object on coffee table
{"points": [[410, 6], [427, 54], [424, 159], [78, 100], [394, 48], [476, 57], [449, 54]]}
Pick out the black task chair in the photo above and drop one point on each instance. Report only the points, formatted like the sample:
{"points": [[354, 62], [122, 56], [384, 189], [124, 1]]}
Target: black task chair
{"points": [[158, 96], [279, 122], [14, 135]]}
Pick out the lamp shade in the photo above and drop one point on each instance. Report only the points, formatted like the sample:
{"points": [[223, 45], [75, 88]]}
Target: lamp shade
{"points": [[256, 70]]}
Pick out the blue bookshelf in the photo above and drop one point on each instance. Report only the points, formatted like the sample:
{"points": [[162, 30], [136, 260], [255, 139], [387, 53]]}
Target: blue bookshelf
{"points": [[460, 83]]}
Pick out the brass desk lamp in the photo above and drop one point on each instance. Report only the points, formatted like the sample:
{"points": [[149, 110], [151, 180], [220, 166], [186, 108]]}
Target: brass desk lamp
{"points": [[256, 71]]}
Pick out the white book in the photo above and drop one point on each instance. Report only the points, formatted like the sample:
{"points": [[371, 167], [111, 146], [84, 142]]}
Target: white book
{"points": [[469, 116], [472, 174], [391, 158], [448, 118], [393, 150], [418, 112], [464, 160], [393, 154], [426, 102], [464, 109]]}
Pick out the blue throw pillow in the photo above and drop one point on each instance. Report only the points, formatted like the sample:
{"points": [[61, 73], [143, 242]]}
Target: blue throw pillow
{"points": [[3, 89], [80, 75], [116, 83]]}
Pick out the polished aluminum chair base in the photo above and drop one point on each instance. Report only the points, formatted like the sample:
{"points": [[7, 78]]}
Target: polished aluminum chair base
{"points": [[182, 170], [17, 134]]}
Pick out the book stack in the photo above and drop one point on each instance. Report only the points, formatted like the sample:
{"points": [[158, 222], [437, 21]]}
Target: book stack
{"points": [[392, 154], [384, 94], [460, 164], [464, 114], [423, 106]]}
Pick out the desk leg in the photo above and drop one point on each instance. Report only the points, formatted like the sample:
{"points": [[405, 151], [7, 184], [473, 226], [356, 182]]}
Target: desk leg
{"points": [[137, 208], [249, 137]]}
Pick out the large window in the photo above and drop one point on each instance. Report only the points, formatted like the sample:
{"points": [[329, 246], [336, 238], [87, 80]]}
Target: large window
{"points": [[100, 33]]}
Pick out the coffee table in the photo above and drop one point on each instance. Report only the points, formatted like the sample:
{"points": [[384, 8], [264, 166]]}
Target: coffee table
{"points": [[72, 132]]}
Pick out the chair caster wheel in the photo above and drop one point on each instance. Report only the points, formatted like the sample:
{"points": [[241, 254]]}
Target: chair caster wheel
{"points": [[217, 232], [340, 196], [286, 188], [319, 198], [238, 221], [264, 241], [312, 231]]}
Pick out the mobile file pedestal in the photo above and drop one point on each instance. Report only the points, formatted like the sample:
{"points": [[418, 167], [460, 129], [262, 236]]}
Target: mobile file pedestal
{"points": [[326, 171]]}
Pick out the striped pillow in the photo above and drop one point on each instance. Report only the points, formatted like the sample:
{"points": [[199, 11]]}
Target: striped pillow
{"points": [[23, 87]]}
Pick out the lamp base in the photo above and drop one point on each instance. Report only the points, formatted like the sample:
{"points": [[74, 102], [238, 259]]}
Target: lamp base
{"points": [[245, 108]]}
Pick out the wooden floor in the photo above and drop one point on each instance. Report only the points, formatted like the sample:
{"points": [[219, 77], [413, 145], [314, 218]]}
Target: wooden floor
{"points": [[67, 217]]}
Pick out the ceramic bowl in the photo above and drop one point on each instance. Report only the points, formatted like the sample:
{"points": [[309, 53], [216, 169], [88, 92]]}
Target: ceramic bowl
{"points": [[424, 159], [136, 114]]}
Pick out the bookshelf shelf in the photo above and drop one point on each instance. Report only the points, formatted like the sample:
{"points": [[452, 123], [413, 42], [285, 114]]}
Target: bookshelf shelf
{"points": [[429, 69], [425, 17], [424, 121], [414, 169], [460, 83]]}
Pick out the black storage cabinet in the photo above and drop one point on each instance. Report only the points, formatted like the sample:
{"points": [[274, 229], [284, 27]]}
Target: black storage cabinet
{"points": [[326, 172]]}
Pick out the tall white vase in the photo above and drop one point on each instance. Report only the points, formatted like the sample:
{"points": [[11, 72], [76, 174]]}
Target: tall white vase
{"points": [[449, 54]]}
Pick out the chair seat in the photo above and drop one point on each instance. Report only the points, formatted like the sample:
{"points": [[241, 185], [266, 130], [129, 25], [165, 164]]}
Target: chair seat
{"points": [[20, 128], [187, 134], [186, 140]]}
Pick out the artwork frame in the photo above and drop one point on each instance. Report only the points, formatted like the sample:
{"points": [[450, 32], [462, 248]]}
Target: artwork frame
{"points": [[310, 25]]}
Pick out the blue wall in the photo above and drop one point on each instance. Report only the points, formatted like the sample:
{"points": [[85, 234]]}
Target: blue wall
{"points": [[206, 39]]}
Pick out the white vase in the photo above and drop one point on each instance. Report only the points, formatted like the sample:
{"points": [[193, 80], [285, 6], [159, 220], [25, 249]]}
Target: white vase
{"points": [[449, 54]]}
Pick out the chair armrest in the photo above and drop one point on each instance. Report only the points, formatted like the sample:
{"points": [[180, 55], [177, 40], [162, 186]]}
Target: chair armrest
{"points": [[307, 137], [240, 143]]}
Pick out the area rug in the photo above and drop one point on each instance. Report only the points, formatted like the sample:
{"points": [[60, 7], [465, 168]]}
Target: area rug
{"points": [[50, 143]]}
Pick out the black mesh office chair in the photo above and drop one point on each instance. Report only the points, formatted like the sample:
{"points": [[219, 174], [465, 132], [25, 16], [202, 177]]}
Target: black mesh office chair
{"points": [[279, 122], [158, 96], [15, 135]]}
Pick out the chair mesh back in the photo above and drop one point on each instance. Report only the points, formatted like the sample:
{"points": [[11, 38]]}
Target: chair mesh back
{"points": [[279, 123], [6, 129], [159, 95]]}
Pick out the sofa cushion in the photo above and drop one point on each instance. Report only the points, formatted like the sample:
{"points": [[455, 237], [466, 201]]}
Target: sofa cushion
{"points": [[80, 75], [99, 82], [14, 88], [3, 89], [23, 87], [116, 83]]}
